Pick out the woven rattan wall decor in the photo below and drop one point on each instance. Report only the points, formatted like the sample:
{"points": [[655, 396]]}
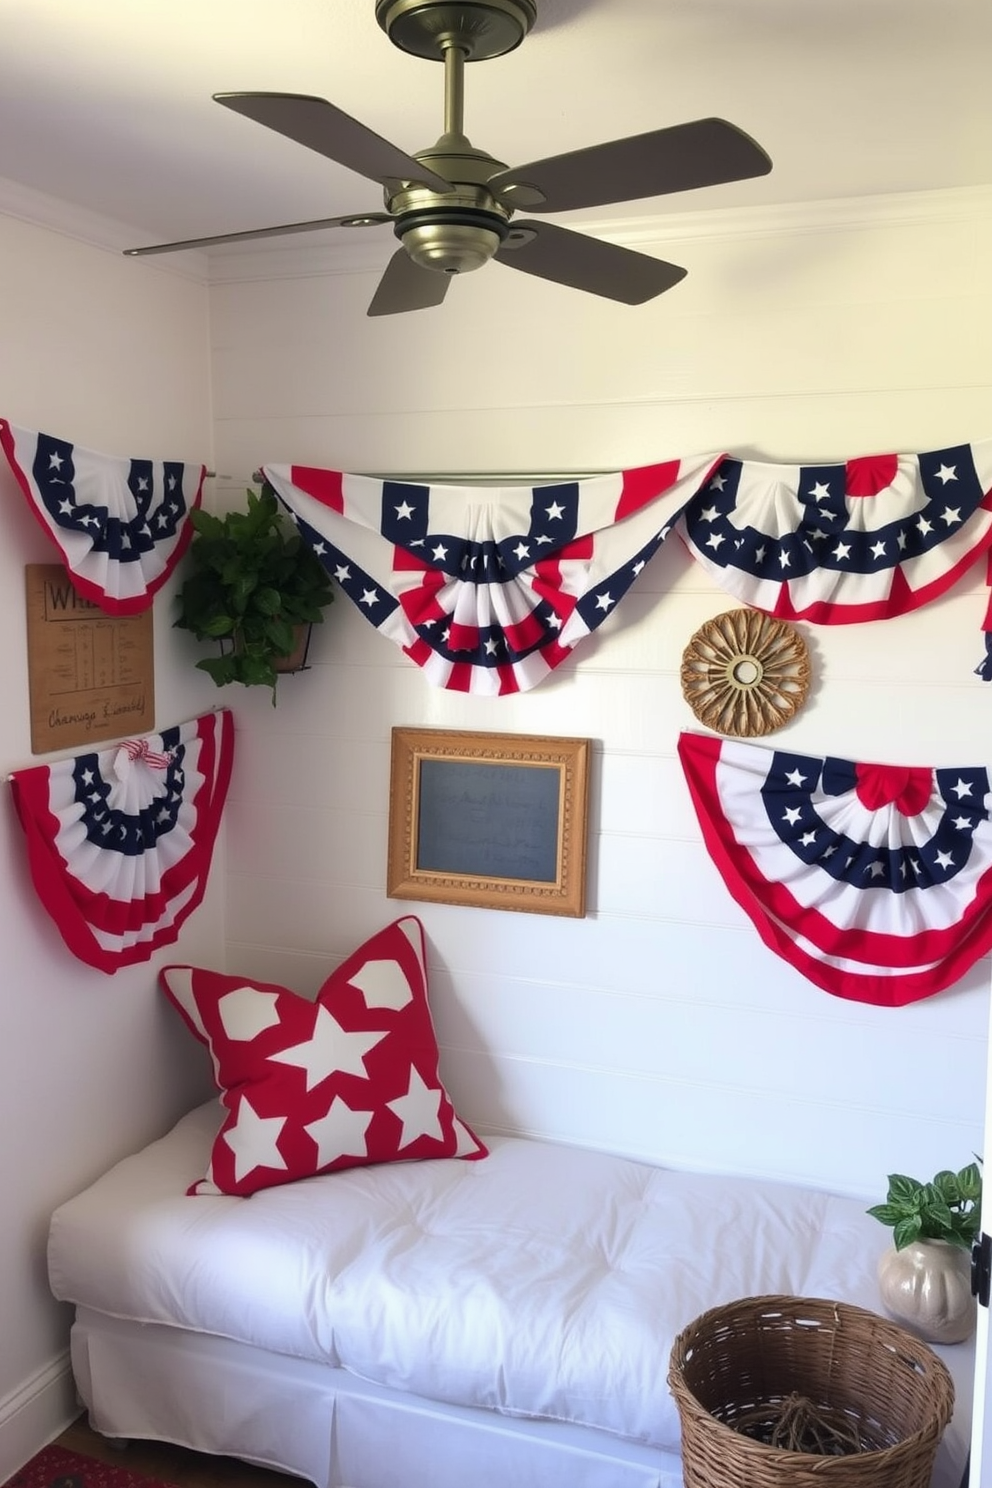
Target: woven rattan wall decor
{"points": [[745, 674]]}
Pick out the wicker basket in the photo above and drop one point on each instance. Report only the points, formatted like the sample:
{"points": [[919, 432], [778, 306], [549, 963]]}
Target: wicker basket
{"points": [[883, 1384]]}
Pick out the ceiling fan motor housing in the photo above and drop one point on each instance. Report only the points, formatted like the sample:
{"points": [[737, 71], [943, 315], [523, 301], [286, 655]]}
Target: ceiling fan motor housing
{"points": [[458, 231], [452, 240]]}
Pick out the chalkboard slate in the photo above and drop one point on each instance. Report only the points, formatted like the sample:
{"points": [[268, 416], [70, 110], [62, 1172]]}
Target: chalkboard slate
{"points": [[497, 821], [493, 820]]}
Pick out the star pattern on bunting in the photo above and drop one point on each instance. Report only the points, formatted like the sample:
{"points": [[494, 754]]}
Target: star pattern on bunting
{"points": [[872, 880], [121, 524], [862, 539], [488, 589], [308, 1086]]}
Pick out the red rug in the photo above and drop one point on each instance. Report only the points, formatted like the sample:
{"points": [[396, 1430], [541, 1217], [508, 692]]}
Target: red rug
{"points": [[54, 1467]]}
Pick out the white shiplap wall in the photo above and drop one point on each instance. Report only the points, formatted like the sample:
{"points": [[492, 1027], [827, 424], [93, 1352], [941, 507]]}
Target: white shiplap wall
{"points": [[91, 1065], [659, 1025]]}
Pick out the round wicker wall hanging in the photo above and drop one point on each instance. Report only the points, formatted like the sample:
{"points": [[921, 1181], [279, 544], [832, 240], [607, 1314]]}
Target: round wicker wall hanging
{"points": [[745, 674]]}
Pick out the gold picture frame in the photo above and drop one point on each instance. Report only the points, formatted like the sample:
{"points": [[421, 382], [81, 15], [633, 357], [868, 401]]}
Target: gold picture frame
{"points": [[496, 821]]}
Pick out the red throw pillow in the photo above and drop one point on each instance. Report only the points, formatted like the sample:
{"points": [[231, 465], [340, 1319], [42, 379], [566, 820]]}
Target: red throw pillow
{"points": [[347, 1079]]}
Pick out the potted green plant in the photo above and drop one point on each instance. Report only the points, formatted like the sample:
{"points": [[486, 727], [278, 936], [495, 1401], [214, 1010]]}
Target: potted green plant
{"points": [[947, 1208], [252, 586], [925, 1276]]}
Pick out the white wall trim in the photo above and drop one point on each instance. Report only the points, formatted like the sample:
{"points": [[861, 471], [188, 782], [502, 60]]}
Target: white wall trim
{"points": [[36, 1412], [40, 210], [339, 251]]}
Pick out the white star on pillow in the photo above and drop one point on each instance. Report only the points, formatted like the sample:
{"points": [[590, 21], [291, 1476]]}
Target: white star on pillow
{"points": [[419, 1110], [310, 1086], [341, 1133], [330, 1051], [253, 1140]]}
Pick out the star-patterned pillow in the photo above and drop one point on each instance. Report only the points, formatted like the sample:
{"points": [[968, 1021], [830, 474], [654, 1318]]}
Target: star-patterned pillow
{"points": [[347, 1079]]}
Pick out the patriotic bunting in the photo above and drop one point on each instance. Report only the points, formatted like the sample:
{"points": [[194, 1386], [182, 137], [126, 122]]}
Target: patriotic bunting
{"points": [[840, 543], [121, 525], [120, 839], [487, 589], [873, 881]]}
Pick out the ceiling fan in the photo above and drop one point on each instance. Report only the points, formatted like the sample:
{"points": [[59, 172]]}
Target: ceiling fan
{"points": [[452, 206]]}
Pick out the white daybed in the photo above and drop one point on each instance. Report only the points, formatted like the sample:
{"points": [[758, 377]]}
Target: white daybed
{"points": [[435, 1324]]}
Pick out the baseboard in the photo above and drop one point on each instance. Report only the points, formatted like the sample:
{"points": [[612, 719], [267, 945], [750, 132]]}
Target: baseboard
{"points": [[33, 1414]]}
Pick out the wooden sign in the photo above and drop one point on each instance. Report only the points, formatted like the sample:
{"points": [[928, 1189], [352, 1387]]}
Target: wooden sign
{"points": [[91, 675]]}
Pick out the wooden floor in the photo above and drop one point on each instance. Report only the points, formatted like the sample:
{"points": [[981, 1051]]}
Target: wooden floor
{"points": [[172, 1464]]}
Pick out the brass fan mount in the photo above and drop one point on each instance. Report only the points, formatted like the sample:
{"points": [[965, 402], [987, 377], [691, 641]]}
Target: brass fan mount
{"points": [[479, 29]]}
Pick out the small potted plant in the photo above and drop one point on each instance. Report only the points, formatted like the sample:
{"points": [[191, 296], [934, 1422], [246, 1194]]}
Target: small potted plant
{"points": [[925, 1277], [254, 588]]}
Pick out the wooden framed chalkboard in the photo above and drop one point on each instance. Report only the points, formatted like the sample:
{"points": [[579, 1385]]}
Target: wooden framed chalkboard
{"points": [[498, 821]]}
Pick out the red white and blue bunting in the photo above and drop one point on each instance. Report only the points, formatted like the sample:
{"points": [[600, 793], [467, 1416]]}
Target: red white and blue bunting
{"points": [[873, 881], [490, 588], [487, 588], [121, 524], [120, 839], [842, 543]]}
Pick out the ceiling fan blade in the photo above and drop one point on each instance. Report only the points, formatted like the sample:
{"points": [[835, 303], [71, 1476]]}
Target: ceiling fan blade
{"points": [[581, 262], [357, 219], [705, 152], [323, 127], [406, 286]]}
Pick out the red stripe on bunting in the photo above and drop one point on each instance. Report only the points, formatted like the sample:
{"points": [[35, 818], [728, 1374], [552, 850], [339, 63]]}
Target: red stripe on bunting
{"points": [[325, 486], [581, 548], [461, 637], [646, 484], [418, 652], [420, 605], [405, 561], [524, 633], [507, 679], [900, 600], [547, 585]]}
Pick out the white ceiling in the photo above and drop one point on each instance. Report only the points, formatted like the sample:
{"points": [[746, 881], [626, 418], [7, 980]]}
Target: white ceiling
{"points": [[107, 104]]}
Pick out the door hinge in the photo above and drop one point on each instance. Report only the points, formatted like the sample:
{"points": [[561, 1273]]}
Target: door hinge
{"points": [[981, 1269]]}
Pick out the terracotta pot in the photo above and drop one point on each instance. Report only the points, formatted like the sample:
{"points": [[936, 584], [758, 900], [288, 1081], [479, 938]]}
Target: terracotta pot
{"points": [[926, 1286]]}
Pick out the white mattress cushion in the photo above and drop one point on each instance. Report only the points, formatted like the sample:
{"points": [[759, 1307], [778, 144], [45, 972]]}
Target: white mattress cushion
{"points": [[543, 1280]]}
